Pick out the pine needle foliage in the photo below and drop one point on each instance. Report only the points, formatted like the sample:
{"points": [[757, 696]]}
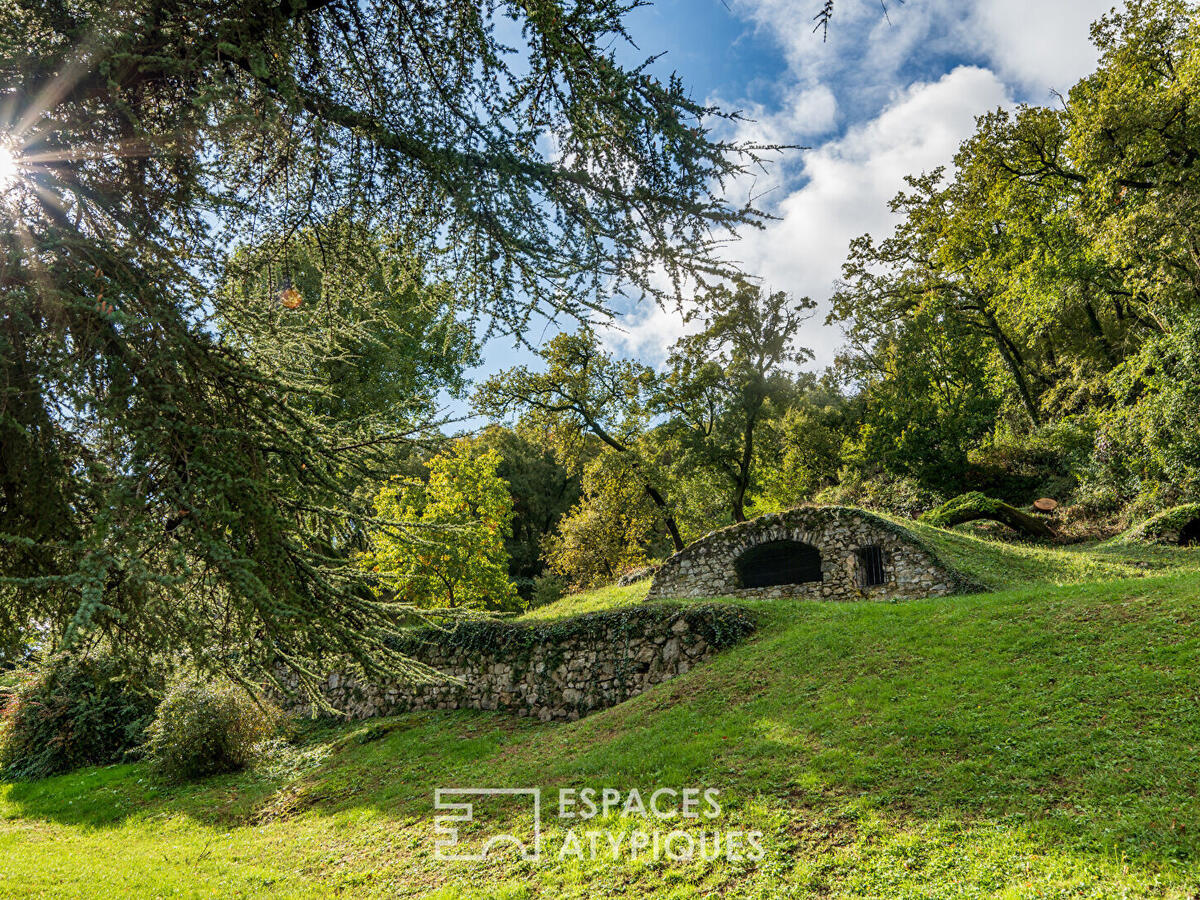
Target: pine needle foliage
{"points": [[162, 481]]}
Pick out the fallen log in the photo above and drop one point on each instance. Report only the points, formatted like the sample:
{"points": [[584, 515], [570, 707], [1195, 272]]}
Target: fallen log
{"points": [[974, 506]]}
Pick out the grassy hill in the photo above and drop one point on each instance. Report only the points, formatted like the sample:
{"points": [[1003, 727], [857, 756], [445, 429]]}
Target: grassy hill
{"points": [[1035, 741], [1000, 564]]}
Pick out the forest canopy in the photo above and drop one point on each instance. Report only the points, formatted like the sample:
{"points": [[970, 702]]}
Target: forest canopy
{"points": [[1036, 309], [1030, 328]]}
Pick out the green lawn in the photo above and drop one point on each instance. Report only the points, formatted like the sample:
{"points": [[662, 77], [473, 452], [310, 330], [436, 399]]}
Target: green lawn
{"points": [[591, 601], [1001, 564], [1038, 741]]}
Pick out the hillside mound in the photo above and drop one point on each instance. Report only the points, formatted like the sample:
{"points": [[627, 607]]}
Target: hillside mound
{"points": [[811, 552], [1179, 525]]}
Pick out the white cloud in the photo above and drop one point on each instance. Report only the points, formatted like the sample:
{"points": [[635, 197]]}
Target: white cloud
{"points": [[1034, 45], [846, 184], [864, 76], [805, 112], [647, 332], [1040, 45], [849, 182]]}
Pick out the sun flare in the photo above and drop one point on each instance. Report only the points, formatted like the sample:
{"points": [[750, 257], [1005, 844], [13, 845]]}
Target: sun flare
{"points": [[8, 167]]}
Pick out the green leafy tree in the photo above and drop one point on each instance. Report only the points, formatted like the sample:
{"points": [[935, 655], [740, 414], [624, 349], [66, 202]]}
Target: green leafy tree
{"points": [[1049, 287], [373, 342], [723, 383], [585, 391], [542, 491], [802, 448], [439, 543], [926, 402], [367, 354], [609, 531], [923, 273]]}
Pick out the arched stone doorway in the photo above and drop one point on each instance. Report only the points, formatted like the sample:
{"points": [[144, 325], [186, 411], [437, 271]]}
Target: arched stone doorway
{"points": [[778, 563], [813, 553]]}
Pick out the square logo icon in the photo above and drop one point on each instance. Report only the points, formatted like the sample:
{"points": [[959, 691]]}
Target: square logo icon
{"points": [[458, 807]]}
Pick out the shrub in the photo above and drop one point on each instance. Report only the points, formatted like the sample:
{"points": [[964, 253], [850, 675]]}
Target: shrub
{"points": [[75, 711], [881, 492], [547, 589], [1020, 466], [206, 728]]}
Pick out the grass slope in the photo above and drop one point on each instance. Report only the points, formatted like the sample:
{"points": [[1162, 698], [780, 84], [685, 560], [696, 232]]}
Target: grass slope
{"points": [[1037, 741], [609, 597], [1000, 564]]}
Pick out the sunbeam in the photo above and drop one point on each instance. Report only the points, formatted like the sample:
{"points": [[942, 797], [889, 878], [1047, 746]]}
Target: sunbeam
{"points": [[8, 168]]}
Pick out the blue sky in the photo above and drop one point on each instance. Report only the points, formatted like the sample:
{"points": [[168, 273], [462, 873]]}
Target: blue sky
{"points": [[882, 98]]}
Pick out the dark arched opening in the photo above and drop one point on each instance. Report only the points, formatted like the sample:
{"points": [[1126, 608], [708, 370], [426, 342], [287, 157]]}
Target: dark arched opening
{"points": [[1189, 535], [779, 562]]}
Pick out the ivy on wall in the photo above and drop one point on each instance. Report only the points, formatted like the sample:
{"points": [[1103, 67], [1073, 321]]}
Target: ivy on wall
{"points": [[720, 625]]}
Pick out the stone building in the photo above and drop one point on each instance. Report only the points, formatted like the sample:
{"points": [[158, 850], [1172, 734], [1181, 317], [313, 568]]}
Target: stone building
{"points": [[816, 553]]}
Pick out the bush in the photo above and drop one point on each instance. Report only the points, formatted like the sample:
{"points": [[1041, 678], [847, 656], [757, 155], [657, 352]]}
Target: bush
{"points": [[206, 728], [75, 711], [881, 492], [547, 589], [1020, 466]]}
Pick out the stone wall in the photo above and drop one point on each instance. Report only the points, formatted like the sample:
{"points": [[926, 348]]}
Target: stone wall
{"points": [[708, 567], [557, 670]]}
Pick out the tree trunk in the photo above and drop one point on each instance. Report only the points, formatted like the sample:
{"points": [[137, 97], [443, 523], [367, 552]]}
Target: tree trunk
{"points": [[1097, 329], [738, 507], [1013, 364], [742, 480], [974, 506], [668, 517]]}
